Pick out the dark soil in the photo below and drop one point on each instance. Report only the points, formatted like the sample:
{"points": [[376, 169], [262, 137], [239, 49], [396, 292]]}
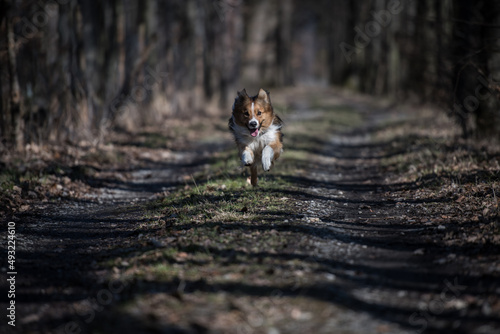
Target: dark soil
{"points": [[377, 219]]}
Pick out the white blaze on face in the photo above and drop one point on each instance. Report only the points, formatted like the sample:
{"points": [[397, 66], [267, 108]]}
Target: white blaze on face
{"points": [[253, 120], [254, 123]]}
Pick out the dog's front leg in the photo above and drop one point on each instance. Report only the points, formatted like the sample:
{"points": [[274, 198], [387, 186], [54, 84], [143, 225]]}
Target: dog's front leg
{"points": [[247, 157], [267, 158], [270, 153]]}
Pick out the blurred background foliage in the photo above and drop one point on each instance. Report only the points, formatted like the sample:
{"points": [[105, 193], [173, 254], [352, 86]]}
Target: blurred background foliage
{"points": [[71, 70]]}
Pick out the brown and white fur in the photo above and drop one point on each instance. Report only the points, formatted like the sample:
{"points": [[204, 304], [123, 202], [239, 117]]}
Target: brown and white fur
{"points": [[257, 131]]}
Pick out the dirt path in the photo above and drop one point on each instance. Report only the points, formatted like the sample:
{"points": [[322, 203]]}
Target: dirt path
{"points": [[335, 240], [60, 242]]}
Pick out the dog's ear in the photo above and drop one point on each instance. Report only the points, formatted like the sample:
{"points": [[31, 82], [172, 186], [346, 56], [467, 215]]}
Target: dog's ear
{"points": [[264, 95], [242, 94]]}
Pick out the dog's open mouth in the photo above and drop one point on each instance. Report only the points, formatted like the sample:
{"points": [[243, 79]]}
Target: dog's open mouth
{"points": [[254, 132]]}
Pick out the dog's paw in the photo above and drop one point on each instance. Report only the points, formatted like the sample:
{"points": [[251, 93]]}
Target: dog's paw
{"points": [[247, 158], [267, 158]]}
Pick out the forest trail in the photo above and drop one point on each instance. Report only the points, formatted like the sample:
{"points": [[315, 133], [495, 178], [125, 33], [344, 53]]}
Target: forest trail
{"points": [[375, 220]]}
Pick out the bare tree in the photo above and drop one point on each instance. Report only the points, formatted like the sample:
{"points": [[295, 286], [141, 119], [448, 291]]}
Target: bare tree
{"points": [[16, 102]]}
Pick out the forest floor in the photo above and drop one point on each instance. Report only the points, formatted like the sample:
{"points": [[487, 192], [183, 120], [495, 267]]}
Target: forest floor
{"points": [[378, 218]]}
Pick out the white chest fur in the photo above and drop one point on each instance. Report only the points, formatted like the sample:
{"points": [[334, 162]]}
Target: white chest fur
{"points": [[256, 144]]}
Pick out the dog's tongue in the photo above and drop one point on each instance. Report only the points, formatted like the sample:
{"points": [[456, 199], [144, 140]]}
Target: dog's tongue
{"points": [[255, 133]]}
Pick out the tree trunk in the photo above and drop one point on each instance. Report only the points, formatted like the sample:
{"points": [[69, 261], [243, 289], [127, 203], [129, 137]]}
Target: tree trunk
{"points": [[487, 115], [16, 105], [3, 111], [466, 40], [284, 43]]}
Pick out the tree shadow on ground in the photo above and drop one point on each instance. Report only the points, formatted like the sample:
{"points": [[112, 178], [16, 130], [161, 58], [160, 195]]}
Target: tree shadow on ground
{"points": [[66, 269]]}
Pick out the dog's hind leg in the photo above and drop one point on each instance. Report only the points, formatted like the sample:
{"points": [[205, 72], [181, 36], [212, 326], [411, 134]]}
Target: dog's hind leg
{"points": [[253, 175]]}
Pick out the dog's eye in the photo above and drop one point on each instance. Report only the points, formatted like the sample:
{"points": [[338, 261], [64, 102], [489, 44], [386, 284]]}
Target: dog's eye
{"points": [[246, 113], [259, 113]]}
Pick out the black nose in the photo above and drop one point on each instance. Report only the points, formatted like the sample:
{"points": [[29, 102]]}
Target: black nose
{"points": [[253, 124]]}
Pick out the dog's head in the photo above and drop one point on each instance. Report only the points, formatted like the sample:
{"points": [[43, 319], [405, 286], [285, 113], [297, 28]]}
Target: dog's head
{"points": [[255, 113]]}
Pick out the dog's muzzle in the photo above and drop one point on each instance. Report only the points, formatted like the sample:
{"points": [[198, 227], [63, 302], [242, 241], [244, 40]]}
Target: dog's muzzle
{"points": [[253, 126]]}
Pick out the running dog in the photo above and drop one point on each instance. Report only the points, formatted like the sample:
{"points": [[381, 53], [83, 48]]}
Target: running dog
{"points": [[257, 131]]}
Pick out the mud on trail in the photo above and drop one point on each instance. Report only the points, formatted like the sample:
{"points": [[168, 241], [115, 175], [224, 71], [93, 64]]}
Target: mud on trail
{"points": [[377, 219]]}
